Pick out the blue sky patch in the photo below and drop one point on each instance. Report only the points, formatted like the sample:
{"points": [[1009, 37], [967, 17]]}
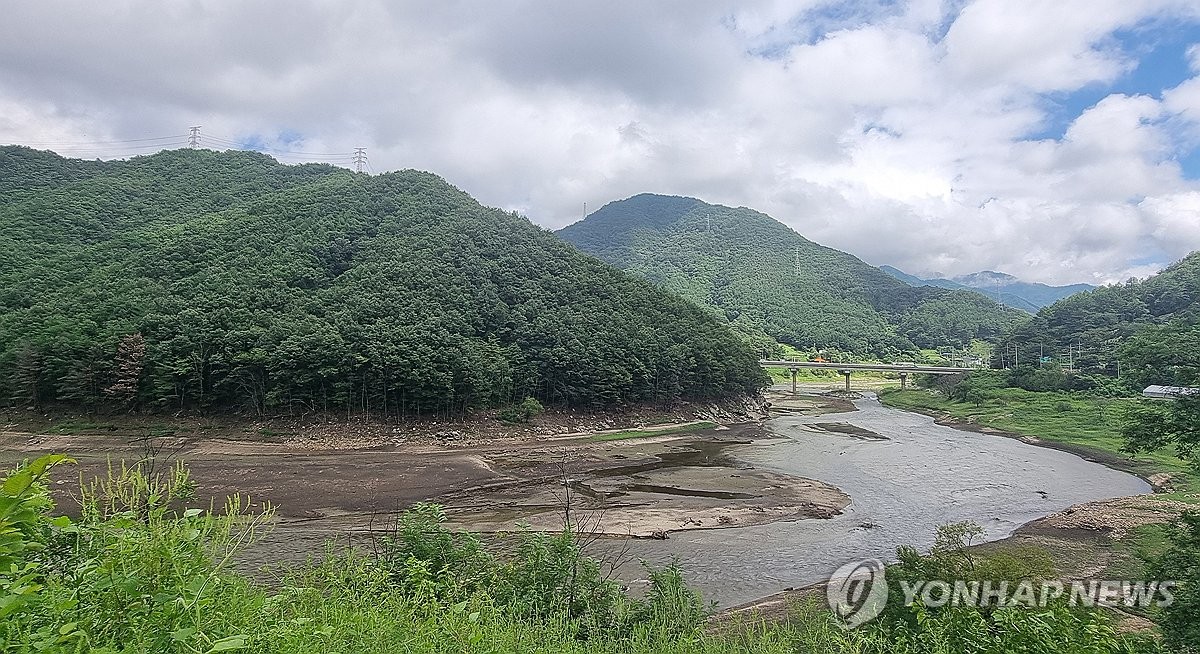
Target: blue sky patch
{"points": [[1161, 50], [1190, 163], [811, 26]]}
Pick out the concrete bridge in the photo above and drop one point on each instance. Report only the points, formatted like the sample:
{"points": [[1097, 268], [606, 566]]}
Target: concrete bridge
{"points": [[904, 369]]}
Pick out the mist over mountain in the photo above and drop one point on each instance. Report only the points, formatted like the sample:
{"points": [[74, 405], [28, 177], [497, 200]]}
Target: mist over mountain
{"points": [[1002, 287]]}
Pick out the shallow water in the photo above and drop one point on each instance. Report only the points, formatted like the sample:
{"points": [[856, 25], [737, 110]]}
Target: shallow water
{"points": [[902, 488]]}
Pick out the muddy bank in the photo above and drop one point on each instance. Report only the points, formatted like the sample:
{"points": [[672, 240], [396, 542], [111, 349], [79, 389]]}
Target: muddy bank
{"points": [[333, 431], [687, 481], [644, 482], [647, 490]]}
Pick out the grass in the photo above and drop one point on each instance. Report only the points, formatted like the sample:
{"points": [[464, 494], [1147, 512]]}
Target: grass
{"points": [[646, 433], [1082, 421], [81, 426]]}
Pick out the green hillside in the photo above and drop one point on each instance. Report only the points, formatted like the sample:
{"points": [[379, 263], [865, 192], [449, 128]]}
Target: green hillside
{"points": [[1091, 329], [770, 283], [199, 280]]}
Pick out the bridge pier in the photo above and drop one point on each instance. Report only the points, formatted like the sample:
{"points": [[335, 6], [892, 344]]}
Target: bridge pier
{"points": [[902, 369]]}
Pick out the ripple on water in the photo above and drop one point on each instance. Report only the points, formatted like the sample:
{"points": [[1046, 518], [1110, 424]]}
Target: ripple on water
{"points": [[917, 476]]}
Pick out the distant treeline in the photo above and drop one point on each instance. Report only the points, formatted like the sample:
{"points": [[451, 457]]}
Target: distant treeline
{"points": [[196, 280], [1146, 330]]}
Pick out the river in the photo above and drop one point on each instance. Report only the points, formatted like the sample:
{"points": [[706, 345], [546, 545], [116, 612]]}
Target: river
{"points": [[902, 488]]}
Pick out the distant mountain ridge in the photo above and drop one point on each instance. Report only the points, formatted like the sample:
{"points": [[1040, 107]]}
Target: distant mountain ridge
{"points": [[1002, 287], [772, 284]]}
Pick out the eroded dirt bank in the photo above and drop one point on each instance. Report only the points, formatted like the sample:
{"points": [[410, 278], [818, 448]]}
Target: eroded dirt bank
{"points": [[643, 482]]}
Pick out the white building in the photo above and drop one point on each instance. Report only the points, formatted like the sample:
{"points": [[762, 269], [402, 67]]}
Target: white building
{"points": [[1168, 392]]}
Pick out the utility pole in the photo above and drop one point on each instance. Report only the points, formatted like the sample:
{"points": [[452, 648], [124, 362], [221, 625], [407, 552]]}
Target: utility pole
{"points": [[360, 159], [194, 138], [797, 253]]}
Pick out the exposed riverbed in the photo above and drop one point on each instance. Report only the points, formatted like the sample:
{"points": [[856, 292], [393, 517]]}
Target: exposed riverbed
{"points": [[748, 510], [905, 475]]}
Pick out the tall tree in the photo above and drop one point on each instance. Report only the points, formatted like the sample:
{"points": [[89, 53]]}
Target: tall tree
{"points": [[128, 367]]}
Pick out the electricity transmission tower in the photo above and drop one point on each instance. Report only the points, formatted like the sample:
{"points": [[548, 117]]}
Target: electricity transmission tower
{"points": [[194, 138], [360, 159]]}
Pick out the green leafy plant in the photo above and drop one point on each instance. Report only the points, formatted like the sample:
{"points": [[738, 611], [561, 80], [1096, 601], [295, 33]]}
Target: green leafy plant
{"points": [[25, 531]]}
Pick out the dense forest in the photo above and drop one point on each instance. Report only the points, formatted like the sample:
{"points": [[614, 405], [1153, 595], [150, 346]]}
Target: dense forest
{"points": [[198, 280], [771, 284], [1092, 331]]}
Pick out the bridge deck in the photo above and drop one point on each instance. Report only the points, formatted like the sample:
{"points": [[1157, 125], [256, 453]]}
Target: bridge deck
{"points": [[880, 367]]}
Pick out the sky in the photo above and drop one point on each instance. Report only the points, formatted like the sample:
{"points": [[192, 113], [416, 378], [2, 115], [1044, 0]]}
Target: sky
{"points": [[1056, 140]]}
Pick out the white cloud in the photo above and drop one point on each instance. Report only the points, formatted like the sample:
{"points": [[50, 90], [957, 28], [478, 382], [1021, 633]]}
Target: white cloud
{"points": [[1174, 221], [858, 124], [1040, 45]]}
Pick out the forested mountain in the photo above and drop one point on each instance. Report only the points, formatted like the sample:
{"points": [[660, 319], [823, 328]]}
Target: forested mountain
{"points": [[201, 280], [770, 283], [1090, 329], [1001, 287]]}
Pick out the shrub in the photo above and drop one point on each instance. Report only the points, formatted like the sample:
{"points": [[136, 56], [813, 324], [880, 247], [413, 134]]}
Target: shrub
{"points": [[1181, 562], [522, 412], [422, 555]]}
